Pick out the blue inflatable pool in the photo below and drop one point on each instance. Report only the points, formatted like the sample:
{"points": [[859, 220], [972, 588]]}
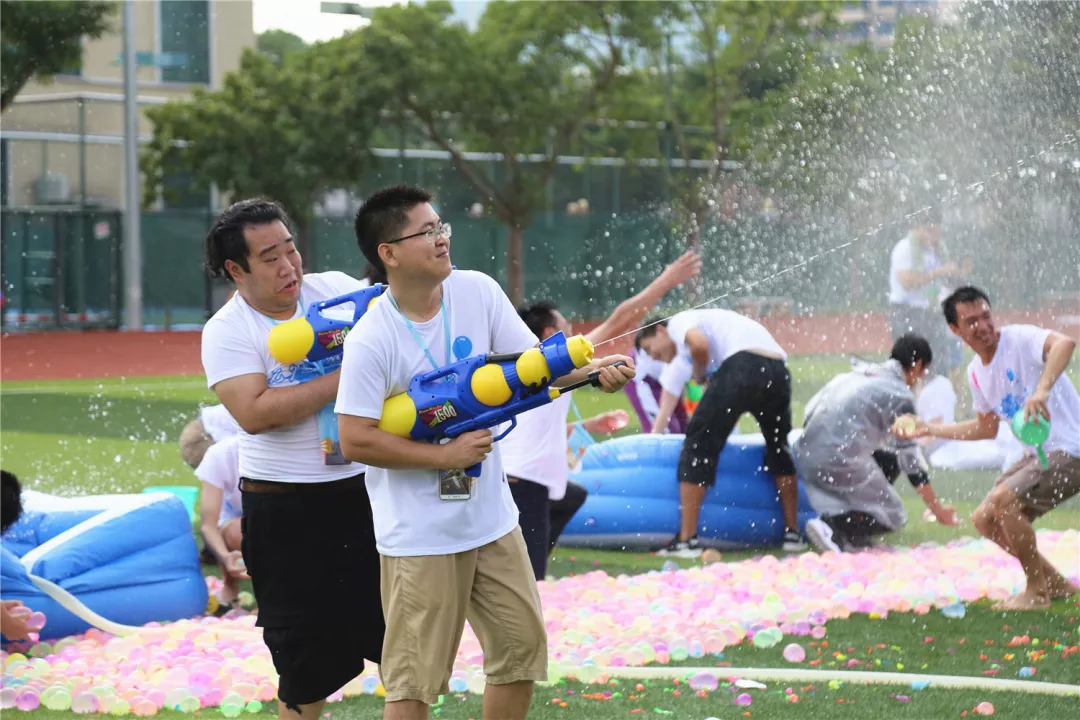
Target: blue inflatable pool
{"points": [[634, 496], [131, 559]]}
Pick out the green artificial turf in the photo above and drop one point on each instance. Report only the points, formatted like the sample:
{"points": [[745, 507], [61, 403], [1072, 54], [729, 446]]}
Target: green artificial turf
{"points": [[116, 436]]}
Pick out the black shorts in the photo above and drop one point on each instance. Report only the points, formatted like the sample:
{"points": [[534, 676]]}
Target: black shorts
{"points": [[744, 383], [315, 575]]}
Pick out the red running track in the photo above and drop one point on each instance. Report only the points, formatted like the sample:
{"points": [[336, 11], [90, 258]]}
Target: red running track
{"points": [[110, 353]]}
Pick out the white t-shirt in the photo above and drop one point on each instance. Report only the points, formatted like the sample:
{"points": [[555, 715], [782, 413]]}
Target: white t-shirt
{"points": [[381, 358], [937, 399], [1003, 386], [903, 259], [676, 374], [234, 343], [220, 467], [728, 333], [536, 449], [218, 423]]}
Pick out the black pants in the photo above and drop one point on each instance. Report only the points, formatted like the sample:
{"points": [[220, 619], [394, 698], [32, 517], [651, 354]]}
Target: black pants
{"points": [[563, 510], [315, 574], [542, 521], [744, 383]]}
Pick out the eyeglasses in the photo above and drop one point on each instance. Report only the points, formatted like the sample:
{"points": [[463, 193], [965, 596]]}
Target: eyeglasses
{"points": [[430, 234]]}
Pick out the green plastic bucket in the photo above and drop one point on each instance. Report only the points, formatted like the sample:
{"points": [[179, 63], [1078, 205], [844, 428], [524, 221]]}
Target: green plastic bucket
{"points": [[189, 494], [1032, 432]]}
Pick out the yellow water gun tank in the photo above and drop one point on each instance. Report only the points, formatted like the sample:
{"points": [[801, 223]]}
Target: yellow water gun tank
{"points": [[290, 341]]}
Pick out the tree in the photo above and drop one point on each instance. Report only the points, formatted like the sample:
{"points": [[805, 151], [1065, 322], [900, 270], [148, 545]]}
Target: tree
{"points": [[276, 45], [944, 105], [973, 116], [522, 83], [288, 133], [40, 39], [738, 52]]}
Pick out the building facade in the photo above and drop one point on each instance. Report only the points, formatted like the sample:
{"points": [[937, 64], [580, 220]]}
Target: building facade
{"points": [[62, 141]]}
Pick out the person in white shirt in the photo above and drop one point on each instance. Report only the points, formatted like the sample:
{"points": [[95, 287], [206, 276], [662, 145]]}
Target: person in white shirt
{"points": [[534, 455], [221, 509], [916, 282], [744, 368], [451, 547], [212, 424], [1018, 369], [645, 392], [308, 542]]}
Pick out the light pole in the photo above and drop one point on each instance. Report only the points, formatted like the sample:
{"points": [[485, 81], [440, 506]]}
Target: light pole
{"points": [[132, 239]]}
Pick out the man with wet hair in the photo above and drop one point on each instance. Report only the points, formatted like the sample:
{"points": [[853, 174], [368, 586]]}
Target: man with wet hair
{"points": [[1018, 369]]}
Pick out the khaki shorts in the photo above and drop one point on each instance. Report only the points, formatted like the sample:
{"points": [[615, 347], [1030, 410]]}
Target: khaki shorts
{"points": [[1042, 489], [194, 442], [426, 600]]}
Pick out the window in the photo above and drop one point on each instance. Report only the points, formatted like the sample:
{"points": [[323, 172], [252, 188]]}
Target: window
{"points": [[76, 70], [185, 41]]}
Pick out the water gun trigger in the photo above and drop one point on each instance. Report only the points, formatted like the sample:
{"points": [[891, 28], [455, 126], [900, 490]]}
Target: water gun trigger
{"points": [[513, 424]]}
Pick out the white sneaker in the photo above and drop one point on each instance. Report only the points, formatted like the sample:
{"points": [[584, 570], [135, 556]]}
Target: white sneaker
{"points": [[688, 549], [821, 536]]}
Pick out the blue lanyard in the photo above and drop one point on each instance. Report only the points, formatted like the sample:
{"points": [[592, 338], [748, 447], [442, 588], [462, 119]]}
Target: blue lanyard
{"points": [[416, 335]]}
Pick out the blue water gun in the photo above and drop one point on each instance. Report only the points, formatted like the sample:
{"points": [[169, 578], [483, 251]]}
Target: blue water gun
{"points": [[483, 391], [315, 336]]}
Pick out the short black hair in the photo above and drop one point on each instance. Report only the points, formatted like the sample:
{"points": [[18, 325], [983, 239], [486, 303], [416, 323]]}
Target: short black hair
{"points": [[648, 331], [539, 316], [966, 294], [10, 500], [910, 349], [225, 241], [382, 216]]}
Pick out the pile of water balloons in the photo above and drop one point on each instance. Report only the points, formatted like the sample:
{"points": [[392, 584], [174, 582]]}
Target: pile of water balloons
{"points": [[593, 620]]}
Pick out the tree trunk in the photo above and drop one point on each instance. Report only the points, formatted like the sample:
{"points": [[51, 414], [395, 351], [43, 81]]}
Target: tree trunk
{"points": [[515, 262]]}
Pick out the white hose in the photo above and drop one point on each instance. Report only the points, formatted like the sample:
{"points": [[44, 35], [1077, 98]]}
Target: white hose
{"points": [[954, 682], [77, 608]]}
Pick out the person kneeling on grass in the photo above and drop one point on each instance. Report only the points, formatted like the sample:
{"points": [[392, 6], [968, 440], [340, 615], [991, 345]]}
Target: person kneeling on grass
{"points": [[13, 614], [849, 459], [1018, 369], [221, 506]]}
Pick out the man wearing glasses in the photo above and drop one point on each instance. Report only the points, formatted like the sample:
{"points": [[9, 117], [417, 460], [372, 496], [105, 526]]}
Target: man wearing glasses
{"points": [[451, 546]]}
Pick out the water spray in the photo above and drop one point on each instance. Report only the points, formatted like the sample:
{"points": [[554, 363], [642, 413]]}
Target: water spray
{"points": [[972, 187]]}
